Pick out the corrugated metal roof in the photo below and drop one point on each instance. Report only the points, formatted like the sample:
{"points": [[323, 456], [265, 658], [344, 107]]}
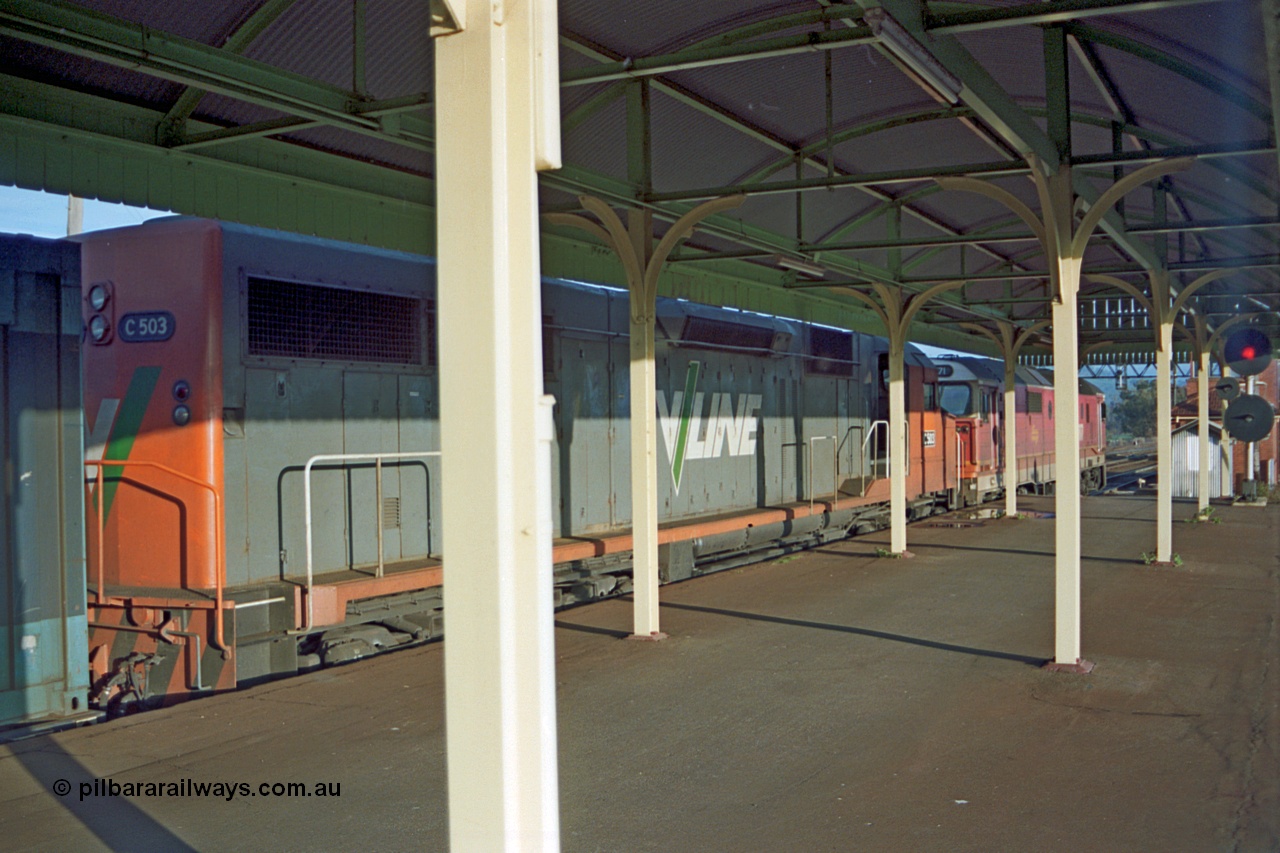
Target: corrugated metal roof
{"points": [[723, 124]]}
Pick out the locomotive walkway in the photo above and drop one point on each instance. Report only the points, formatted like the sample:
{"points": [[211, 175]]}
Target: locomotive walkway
{"points": [[826, 701]]}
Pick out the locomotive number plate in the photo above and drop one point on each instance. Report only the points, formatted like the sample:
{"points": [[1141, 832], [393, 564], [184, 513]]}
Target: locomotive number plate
{"points": [[146, 327], [930, 438]]}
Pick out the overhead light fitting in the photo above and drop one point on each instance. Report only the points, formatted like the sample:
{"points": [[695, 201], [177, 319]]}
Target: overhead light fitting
{"points": [[913, 54], [803, 267]]}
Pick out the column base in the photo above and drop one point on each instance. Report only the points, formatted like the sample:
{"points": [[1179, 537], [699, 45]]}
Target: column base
{"points": [[647, 638], [1080, 667]]}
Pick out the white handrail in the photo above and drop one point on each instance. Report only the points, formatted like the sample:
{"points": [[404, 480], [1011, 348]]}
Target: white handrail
{"points": [[871, 433], [306, 501]]}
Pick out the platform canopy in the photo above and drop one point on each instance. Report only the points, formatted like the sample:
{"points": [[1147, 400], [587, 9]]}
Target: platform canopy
{"points": [[833, 119]]}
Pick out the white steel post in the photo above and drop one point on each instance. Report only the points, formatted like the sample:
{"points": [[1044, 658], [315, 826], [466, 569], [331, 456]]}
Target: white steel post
{"points": [[644, 476], [499, 657], [898, 447], [1010, 436], [1164, 439], [1066, 432], [1202, 401]]}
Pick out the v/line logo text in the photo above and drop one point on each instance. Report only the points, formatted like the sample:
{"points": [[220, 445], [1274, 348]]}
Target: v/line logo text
{"points": [[726, 427]]}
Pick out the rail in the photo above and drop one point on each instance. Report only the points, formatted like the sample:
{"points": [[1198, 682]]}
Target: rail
{"points": [[219, 569], [835, 468], [306, 501]]}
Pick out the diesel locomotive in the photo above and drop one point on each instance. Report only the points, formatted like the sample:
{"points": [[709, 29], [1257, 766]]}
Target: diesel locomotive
{"points": [[262, 470]]}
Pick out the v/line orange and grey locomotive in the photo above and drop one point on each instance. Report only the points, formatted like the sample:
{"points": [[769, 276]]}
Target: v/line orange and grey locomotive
{"points": [[262, 469]]}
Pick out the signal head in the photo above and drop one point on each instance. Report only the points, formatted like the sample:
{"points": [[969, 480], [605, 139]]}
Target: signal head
{"points": [[1247, 351]]}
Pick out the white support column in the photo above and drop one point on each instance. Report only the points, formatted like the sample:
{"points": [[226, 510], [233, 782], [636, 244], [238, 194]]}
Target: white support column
{"points": [[1202, 400], [1164, 441], [1010, 437], [644, 477], [898, 448], [644, 435], [1066, 432], [499, 655]]}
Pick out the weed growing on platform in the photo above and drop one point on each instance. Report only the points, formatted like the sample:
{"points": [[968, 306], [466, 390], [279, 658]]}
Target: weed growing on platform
{"points": [[885, 552], [1206, 514], [1149, 557]]}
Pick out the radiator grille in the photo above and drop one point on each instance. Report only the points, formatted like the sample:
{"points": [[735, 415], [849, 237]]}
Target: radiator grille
{"points": [[830, 352], [292, 320], [703, 330]]}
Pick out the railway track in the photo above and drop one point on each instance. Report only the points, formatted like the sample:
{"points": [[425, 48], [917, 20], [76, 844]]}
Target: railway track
{"points": [[1127, 465]]}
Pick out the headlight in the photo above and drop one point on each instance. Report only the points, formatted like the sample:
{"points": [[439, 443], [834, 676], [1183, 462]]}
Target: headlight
{"points": [[98, 297], [99, 328], [181, 415]]}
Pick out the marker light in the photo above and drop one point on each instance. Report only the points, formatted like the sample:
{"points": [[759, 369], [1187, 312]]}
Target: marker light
{"points": [[98, 296], [99, 328]]}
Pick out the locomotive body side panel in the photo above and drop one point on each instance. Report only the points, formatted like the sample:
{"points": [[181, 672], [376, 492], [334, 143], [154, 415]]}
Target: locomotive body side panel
{"points": [[328, 353]]}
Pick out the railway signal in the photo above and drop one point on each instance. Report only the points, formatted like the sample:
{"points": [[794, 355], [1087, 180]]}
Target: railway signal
{"points": [[1249, 418], [1228, 388], [1247, 351]]}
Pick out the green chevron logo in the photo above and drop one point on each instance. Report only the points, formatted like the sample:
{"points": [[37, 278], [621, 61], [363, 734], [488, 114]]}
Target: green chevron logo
{"points": [[686, 411], [116, 428]]}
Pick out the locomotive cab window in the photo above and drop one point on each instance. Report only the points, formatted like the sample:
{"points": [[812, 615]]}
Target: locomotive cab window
{"points": [[931, 397], [956, 399]]}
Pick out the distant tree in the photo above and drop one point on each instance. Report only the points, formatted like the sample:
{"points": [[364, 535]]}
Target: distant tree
{"points": [[1136, 411]]}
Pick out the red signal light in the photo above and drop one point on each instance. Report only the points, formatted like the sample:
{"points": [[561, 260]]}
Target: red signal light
{"points": [[1248, 352]]}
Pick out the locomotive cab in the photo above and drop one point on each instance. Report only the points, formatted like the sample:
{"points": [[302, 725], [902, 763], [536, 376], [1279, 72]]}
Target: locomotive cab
{"points": [[971, 391]]}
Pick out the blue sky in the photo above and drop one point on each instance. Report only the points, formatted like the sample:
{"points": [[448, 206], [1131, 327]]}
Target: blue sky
{"points": [[43, 215]]}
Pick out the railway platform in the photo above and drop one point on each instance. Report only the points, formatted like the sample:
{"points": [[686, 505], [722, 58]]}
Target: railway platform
{"points": [[830, 700]]}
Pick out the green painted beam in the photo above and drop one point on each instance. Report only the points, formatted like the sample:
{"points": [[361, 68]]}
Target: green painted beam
{"points": [[65, 142], [707, 56], [1001, 168], [1038, 14], [1209, 225], [244, 36], [1252, 262], [856, 132], [1222, 88], [1206, 151], [1270, 11], [981, 92], [582, 112], [764, 137], [1057, 91], [89, 34]]}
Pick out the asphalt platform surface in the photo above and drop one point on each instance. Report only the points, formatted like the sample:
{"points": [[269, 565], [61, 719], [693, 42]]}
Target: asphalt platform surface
{"points": [[827, 701]]}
